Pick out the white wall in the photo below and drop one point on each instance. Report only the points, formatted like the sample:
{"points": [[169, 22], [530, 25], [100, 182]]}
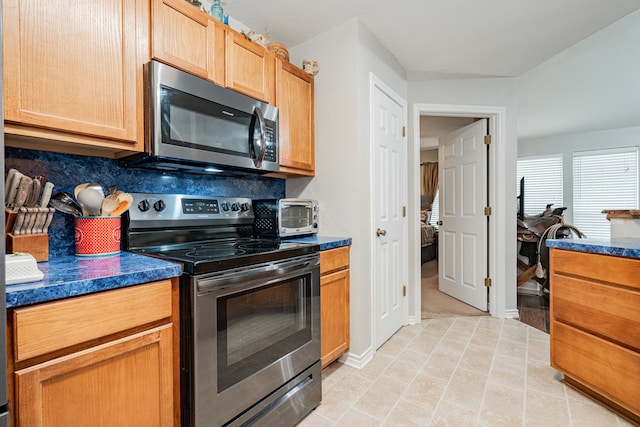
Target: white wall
{"points": [[430, 155], [585, 98], [593, 85], [342, 185], [496, 92]]}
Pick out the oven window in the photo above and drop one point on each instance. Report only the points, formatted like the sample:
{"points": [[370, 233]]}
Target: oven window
{"points": [[259, 326], [296, 216]]}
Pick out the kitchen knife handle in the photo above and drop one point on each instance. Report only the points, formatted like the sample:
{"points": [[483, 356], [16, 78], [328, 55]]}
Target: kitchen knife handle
{"points": [[13, 190], [7, 184], [33, 215], [23, 191], [17, 226], [47, 223], [46, 194]]}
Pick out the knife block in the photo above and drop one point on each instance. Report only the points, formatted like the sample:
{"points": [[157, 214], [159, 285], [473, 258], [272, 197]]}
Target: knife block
{"points": [[35, 244]]}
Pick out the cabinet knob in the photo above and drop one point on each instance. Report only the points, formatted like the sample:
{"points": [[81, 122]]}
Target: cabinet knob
{"points": [[380, 232]]}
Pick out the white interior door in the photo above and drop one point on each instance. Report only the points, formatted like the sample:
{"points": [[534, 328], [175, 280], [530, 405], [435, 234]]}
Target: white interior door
{"points": [[389, 196], [462, 240]]}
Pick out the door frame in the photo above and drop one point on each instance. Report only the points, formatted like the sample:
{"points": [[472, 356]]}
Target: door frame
{"points": [[498, 222]]}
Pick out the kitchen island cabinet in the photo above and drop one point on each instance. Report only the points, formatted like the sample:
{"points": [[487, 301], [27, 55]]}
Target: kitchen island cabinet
{"points": [[73, 74], [595, 325], [103, 359], [334, 303]]}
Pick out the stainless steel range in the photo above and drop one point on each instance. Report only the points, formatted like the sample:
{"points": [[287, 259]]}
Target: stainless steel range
{"points": [[249, 310]]}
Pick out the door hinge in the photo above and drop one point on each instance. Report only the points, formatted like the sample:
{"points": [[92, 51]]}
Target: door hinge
{"points": [[487, 282], [487, 211], [487, 139], [404, 131], [404, 291], [404, 211]]}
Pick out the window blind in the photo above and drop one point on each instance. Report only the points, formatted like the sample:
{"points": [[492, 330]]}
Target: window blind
{"points": [[542, 182], [603, 179]]}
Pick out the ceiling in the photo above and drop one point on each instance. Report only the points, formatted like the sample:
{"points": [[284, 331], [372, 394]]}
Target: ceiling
{"points": [[488, 38]]}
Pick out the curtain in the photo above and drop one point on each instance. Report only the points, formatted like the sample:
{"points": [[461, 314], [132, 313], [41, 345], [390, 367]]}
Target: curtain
{"points": [[429, 181]]}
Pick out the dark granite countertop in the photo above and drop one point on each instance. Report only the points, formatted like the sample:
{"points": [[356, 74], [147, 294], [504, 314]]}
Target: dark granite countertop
{"points": [[68, 276], [324, 242], [626, 247]]}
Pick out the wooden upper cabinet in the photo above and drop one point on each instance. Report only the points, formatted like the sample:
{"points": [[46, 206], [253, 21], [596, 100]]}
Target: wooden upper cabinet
{"points": [[249, 68], [295, 102], [189, 39], [73, 70]]}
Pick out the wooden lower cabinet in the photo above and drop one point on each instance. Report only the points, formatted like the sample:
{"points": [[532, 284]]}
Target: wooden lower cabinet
{"points": [[334, 303], [595, 326], [124, 374]]}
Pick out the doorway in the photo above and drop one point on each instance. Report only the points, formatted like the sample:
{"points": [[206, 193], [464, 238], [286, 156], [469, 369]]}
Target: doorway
{"points": [[499, 247], [434, 302]]}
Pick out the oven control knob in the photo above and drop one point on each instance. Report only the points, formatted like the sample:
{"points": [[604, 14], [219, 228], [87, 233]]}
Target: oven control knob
{"points": [[235, 207], [224, 206], [159, 205], [244, 207], [144, 205]]}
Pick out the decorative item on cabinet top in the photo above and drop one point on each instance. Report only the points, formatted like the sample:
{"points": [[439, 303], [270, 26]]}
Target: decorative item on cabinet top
{"points": [[310, 66], [278, 50]]}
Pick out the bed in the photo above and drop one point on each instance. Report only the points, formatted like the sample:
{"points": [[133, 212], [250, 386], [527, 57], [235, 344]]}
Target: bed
{"points": [[428, 235]]}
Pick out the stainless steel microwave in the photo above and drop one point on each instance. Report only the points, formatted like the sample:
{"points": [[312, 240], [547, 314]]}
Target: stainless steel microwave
{"points": [[194, 125], [285, 217]]}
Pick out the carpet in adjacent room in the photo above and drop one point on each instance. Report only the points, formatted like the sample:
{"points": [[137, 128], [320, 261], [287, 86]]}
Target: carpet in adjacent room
{"points": [[437, 304]]}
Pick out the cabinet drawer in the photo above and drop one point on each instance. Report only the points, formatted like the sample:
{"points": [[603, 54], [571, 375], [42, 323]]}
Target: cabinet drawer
{"points": [[608, 369], [605, 268], [334, 259], [53, 326], [605, 310]]}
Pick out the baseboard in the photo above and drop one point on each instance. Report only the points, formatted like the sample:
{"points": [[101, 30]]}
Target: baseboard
{"points": [[530, 288], [357, 361], [512, 313], [414, 320]]}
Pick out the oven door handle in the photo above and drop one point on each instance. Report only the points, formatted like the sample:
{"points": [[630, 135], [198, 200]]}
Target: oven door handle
{"points": [[245, 279]]}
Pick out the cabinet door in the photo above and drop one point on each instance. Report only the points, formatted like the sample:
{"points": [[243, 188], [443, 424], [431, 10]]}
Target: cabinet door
{"points": [[334, 315], [295, 102], [188, 38], [250, 68], [76, 67], [124, 382]]}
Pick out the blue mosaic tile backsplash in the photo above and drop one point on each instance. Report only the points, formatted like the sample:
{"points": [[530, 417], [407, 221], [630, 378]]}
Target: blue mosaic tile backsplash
{"points": [[66, 171]]}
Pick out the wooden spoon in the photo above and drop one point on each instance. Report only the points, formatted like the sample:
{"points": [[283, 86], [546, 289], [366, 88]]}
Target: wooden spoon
{"points": [[109, 203], [125, 200]]}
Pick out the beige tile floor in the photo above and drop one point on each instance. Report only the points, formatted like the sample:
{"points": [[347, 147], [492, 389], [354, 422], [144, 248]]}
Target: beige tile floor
{"points": [[465, 371]]}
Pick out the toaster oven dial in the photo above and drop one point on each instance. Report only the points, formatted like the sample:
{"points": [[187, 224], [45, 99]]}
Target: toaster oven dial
{"points": [[159, 205], [244, 207], [224, 206], [235, 207]]}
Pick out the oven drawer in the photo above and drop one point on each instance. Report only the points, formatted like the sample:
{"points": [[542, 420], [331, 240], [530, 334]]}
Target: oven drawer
{"points": [[53, 326]]}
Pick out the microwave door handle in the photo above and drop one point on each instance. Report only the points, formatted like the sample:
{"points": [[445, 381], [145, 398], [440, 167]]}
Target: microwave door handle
{"points": [[263, 145]]}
